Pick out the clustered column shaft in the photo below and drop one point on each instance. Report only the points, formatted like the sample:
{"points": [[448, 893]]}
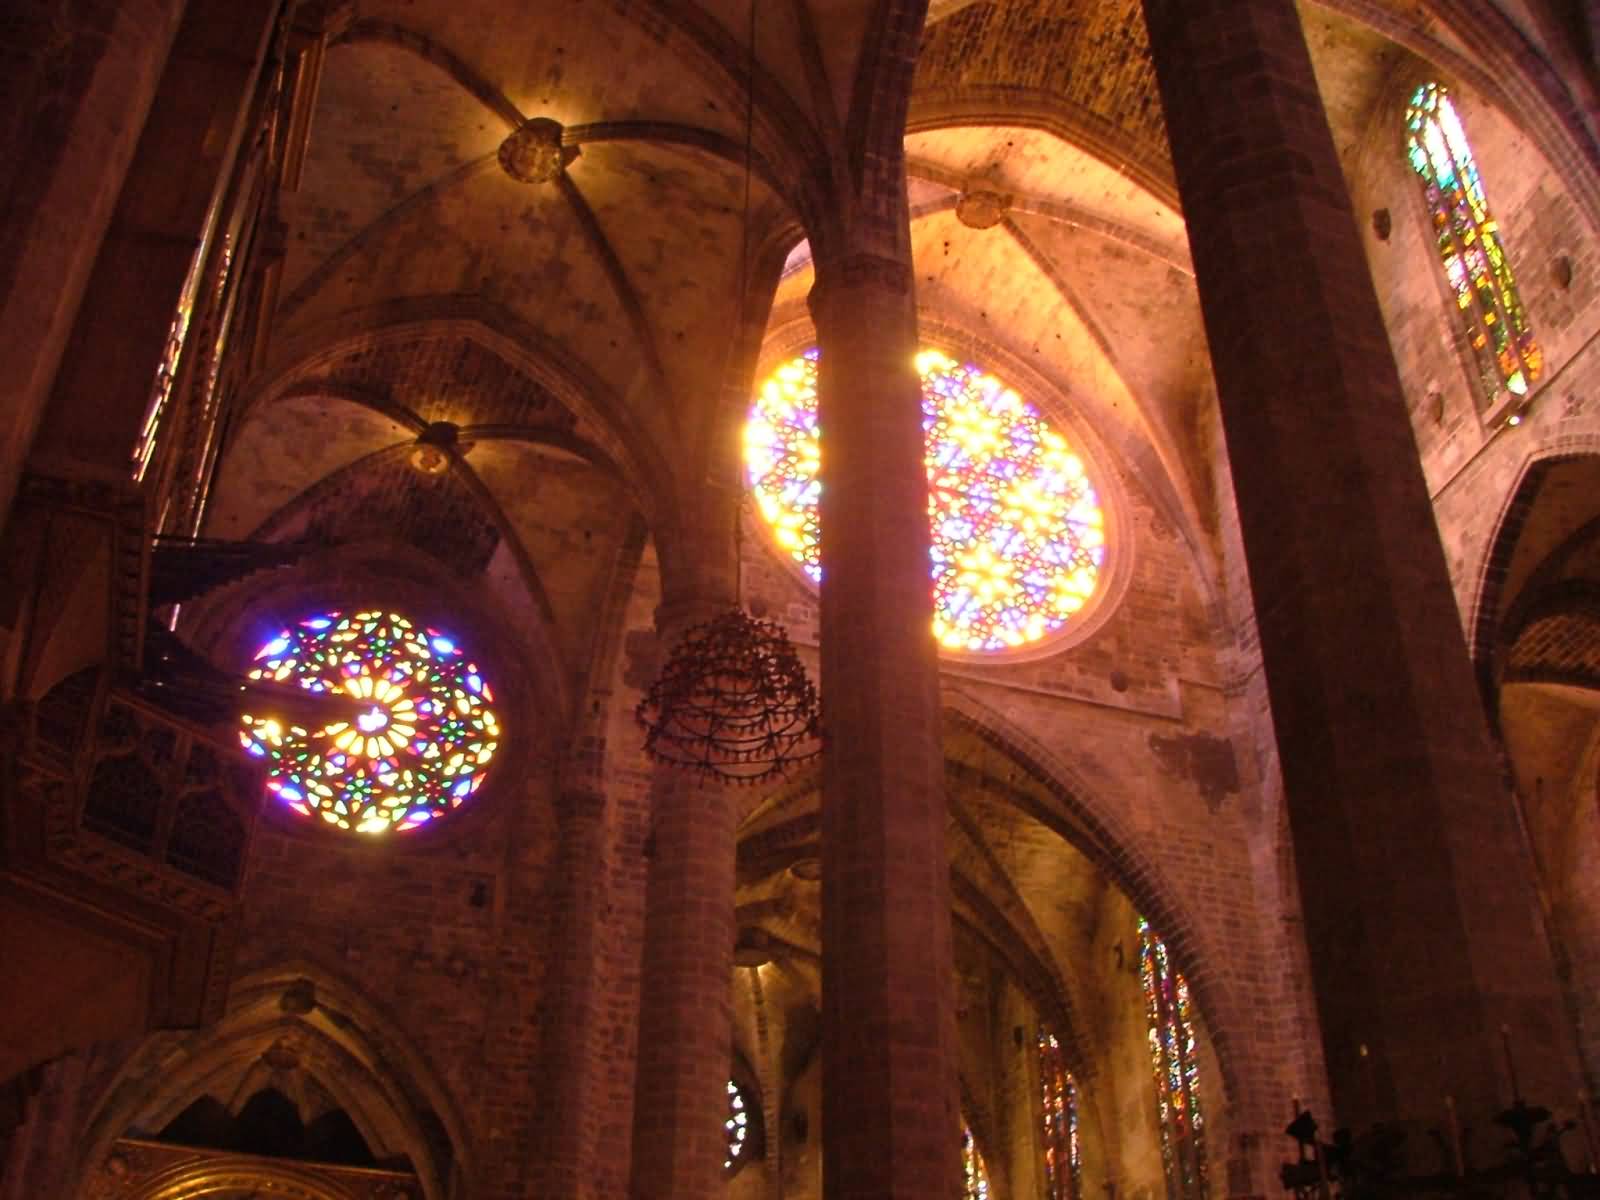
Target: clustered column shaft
{"points": [[890, 1122], [567, 1062]]}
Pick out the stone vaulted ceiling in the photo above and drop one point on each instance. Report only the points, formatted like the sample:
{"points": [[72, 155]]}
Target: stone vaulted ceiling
{"points": [[1080, 66], [587, 322]]}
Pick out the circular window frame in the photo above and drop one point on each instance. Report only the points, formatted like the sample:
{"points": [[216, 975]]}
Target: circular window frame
{"points": [[326, 633], [1057, 408], [233, 634]]}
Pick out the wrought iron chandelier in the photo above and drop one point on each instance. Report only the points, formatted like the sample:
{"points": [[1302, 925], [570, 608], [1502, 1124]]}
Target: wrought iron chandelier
{"points": [[733, 702]]}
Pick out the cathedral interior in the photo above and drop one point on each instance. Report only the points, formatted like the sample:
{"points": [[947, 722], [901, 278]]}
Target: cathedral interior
{"points": [[466, 735]]}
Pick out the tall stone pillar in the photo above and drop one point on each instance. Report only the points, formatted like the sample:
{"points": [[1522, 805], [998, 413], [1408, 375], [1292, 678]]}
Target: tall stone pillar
{"points": [[567, 1066], [76, 81], [685, 1010], [1420, 916], [891, 1127]]}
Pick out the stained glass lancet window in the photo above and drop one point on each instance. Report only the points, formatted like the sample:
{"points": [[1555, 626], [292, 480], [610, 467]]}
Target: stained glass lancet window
{"points": [[974, 1175], [1060, 1112], [410, 730], [737, 1126], [1018, 535], [1175, 1058], [1468, 241]]}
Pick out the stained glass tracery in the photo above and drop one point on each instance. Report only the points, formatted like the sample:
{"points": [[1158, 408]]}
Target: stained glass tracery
{"points": [[974, 1174], [1060, 1114], [1468, 240], [411, 745], [1018, 534], [1175, 1058], [737, 1126]]}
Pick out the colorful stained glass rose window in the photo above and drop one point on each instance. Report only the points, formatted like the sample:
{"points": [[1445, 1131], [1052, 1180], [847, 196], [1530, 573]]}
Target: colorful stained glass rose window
{"points": [[1018, 534], [411, 731]]}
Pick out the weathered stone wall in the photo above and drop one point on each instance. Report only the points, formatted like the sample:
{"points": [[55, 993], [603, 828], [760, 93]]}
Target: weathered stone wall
{"points": [[1473, 466]]}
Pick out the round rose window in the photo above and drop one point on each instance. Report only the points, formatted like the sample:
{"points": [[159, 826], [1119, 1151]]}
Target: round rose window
{"points": [[1018, 534], [407, 732]]}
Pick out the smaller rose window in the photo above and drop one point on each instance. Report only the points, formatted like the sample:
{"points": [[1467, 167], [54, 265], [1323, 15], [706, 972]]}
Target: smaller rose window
{"points": [[409, 731]]}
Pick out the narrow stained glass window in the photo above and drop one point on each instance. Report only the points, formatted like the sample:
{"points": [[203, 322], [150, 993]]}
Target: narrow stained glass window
{"points": [[1175, 1058], [1018, 535], [408, 733], [1468, 240], [1060, 1109], [975, 1176], [737, 1126]]}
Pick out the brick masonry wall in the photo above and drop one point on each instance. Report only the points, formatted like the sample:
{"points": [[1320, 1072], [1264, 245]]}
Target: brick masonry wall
{"points": [[1288, 1029], [450, 940]]}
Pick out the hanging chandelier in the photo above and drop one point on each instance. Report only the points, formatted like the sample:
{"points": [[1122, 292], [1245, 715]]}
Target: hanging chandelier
{"points": [[733, 702]]}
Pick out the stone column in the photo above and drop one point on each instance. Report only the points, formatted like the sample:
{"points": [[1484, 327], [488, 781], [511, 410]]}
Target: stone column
{"points": [[76, 81], [891, 1129], [567, 1058], [1420, 916], [685, 1013]]}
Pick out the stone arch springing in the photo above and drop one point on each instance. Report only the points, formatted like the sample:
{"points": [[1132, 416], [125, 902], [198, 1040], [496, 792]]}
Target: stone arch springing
{"points": [[1094, 828], [1488, 596], [988, 912]]}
